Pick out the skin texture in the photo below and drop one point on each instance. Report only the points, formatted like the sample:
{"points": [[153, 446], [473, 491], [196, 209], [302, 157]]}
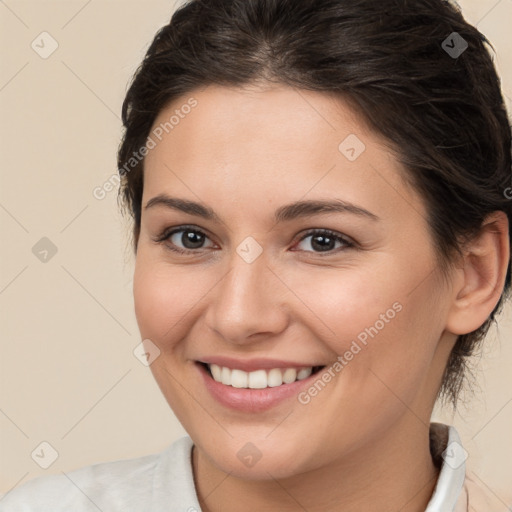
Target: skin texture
{"points": [[363, 440]]}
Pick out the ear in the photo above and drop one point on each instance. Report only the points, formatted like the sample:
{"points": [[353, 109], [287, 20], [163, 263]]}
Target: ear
{"points": [[479, 283]]}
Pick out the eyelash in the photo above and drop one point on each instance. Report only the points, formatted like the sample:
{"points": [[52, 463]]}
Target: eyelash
{"points": [[166, 234]]}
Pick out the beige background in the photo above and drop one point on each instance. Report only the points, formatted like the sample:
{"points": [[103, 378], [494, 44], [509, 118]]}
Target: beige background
{"points": [[68, 374]]}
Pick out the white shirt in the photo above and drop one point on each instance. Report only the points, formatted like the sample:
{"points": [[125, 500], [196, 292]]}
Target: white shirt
{"points": [[163, 482]]}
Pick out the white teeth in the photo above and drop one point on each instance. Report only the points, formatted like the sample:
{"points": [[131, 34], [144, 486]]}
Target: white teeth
{"points": [[238, 379], [258, 379], [304, 373], [216, 372], [225, 376], [289, 375], [274, 378]]}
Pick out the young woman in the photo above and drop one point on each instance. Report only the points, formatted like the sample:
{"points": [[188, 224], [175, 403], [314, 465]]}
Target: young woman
{"points": [[319, 191]]}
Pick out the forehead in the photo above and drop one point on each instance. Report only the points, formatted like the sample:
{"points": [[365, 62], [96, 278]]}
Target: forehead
{"points": [[278, 119], [276, 143]]}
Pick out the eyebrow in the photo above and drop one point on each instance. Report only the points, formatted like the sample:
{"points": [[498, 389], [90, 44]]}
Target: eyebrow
{"points": [[284, 213]]}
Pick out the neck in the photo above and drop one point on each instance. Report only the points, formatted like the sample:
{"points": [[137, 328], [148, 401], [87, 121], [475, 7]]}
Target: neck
{"points": [[396, 472]]}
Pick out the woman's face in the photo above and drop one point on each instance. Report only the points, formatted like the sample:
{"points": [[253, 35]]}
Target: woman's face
{"points": [[262, 289]]}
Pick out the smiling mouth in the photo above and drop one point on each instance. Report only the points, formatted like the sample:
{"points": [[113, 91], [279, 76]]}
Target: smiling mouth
{"points": [[258, 379]]}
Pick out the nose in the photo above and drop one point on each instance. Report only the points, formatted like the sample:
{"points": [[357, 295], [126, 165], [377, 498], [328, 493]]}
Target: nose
{"points": [[249, 303]]}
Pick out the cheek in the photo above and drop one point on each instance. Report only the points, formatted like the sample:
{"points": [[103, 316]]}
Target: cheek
{"points": [[163, 301], [163, 296], [379, 322], [385, 338], [344, 304]]}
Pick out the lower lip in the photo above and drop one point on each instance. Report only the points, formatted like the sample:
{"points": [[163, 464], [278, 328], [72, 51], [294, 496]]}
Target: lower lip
{"points": [[252, 400]]}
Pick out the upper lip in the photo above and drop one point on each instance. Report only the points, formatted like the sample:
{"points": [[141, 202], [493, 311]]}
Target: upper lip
{"points": [[250, 365]]}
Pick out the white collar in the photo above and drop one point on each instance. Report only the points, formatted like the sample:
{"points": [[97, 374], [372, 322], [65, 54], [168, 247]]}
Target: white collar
{"points": [[452, 474]]}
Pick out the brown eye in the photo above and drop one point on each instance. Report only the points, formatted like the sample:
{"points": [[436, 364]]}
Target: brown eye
{"points": [[324, 241], [184, 239], [188, 238]]}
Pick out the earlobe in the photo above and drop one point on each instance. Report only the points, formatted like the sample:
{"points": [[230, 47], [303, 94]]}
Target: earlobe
{"points": [[482, 277]]}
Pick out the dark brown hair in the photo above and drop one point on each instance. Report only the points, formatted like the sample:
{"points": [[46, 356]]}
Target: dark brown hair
{"points": [[441, 112]]}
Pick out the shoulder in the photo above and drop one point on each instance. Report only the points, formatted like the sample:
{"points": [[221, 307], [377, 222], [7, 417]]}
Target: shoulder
{"points": [[457, 488], [119, 485], [481, 499], [83, 489]]}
